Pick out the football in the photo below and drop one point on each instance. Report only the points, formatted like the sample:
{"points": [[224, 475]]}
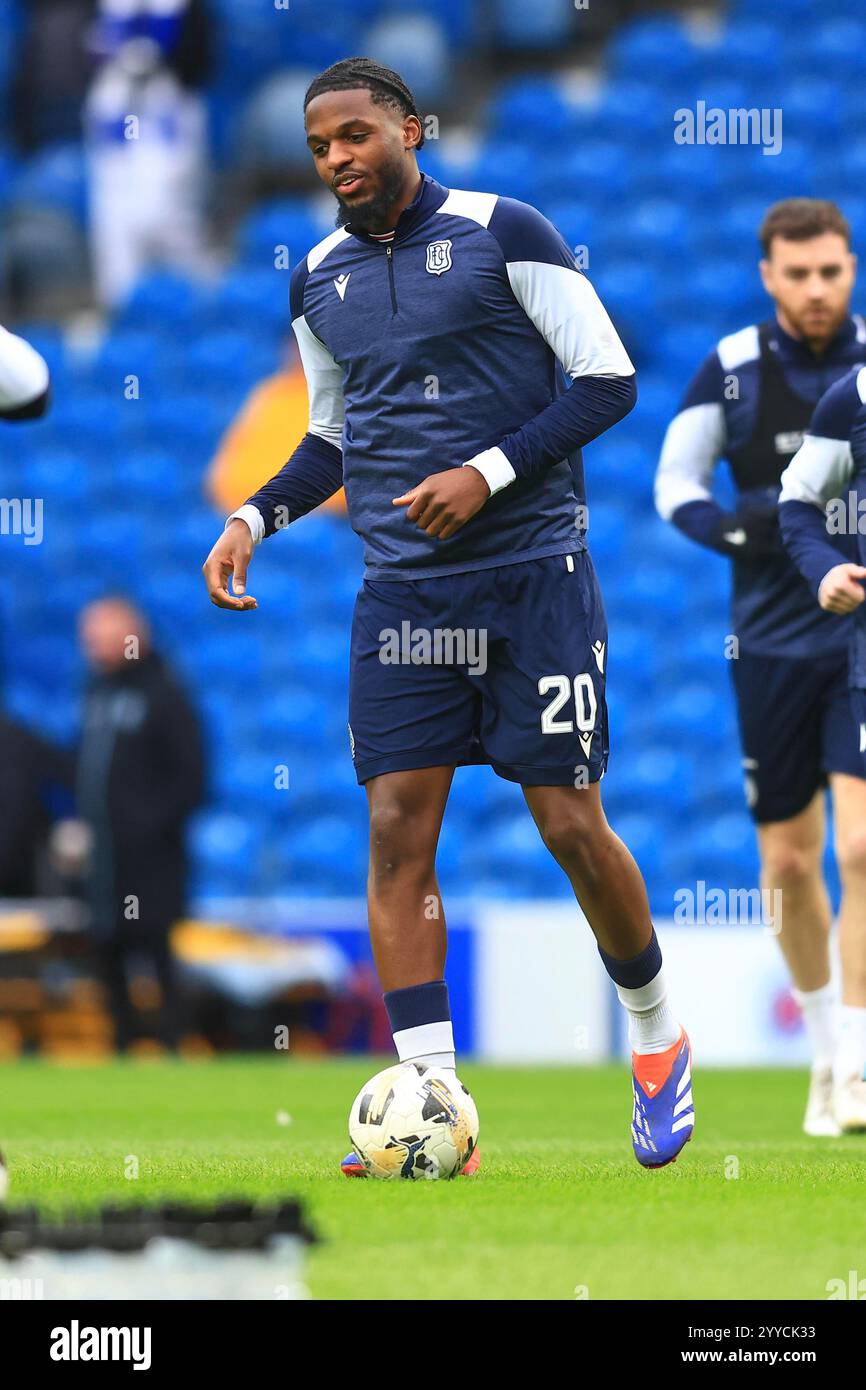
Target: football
{"points": [[413, 1121]]}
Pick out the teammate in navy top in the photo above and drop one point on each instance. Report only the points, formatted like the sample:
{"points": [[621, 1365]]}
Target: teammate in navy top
{"points": [[823, 517], [750, 403], [822, 510], [455, 370]]}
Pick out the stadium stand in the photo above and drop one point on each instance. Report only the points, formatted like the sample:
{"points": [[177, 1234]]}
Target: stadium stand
{"points": [[665, 232]]}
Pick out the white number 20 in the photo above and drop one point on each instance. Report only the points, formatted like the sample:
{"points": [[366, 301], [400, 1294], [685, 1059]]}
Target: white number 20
{"points": [[585, 704]]}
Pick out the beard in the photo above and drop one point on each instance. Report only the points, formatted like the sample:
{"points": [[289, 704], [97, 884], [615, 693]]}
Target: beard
{"points": [[374, 211]]}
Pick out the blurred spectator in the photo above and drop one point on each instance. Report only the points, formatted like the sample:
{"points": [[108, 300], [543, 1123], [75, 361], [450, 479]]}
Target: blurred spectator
{"points": [[271, 422], [30, 770], [51, 72], [140, 775], [145, 126]]}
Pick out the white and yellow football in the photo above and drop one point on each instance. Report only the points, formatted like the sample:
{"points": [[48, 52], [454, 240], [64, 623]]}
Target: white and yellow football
{"points": [[413, 1121]]}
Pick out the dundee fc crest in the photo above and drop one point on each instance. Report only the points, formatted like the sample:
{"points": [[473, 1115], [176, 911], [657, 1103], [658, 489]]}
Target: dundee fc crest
{"points": [[439, 257]]}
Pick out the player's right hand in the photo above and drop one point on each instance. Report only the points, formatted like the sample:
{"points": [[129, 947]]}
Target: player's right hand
{"points": [[841, 589], [230, 559]]}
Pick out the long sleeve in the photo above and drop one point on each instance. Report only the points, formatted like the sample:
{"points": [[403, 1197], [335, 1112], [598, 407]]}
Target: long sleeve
{"points": [[818, 472], [182, 757], [565, 309], [693, 445], [189, 781], [315, 470]]}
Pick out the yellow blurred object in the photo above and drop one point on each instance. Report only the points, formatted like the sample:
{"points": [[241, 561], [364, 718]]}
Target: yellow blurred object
{"points": [[197, 941], [10, 1039], [271, 422], [22, 931]]}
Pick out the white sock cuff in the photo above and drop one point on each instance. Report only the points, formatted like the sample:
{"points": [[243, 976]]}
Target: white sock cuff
{"points": [[825, 994], [646, 997], [850, 1059], [426, 1038]]}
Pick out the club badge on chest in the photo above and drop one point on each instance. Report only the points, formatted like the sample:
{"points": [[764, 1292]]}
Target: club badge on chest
{"points": [[438, 257]]}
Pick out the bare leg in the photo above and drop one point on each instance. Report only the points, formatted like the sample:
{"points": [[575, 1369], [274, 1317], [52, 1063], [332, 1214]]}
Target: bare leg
{"points": [[606, 880], [407, 921], [849, 808], [791, 853]]}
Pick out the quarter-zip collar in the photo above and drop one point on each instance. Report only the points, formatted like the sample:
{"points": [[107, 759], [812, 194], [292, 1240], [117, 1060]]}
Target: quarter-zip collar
{"points": [[427, 200], [797, 349]]}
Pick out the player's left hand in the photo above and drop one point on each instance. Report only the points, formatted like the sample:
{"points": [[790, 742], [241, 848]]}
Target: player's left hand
{"points": [[445, 501], [841, 589]]}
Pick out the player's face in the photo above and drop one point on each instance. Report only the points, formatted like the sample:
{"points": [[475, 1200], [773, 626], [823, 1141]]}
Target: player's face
{"points": [[360, 152], [105, 631], [811, 282]]}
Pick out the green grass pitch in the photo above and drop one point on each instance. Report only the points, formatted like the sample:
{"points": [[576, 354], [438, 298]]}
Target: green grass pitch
{"points": [[559, 1206]]}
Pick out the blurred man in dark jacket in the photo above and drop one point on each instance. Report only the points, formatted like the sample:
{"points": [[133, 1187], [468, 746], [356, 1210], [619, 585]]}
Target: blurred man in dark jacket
{"points": [[140, 775], [34, 777]]}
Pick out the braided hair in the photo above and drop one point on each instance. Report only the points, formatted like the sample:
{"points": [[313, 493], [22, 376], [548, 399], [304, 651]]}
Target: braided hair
{"points": [[386, 87]]}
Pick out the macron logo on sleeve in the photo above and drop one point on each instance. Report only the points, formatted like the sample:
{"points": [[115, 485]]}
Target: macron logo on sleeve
{"points": [[341, 282]]}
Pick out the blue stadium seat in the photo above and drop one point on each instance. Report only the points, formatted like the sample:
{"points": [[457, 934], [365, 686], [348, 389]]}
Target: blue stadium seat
{"points": [[657, 223], [462, 23], [162, 301], [543, 24], [55, 176], [270, 133], [288, 222], [812, 111], [602, 165], [327, 847], [782, 14], [534, 107], [226, 843], [609, 528], [623, 283], [577, 223], [643, 834], [416, 45], [228, 360], [835, 46], [250, 300], [660, 44], [689, 174], [646, 113], [747, 48]]}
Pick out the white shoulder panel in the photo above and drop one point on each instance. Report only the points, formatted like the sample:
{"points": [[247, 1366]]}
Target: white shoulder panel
{"points": [[693, 444], [737, 348], [324, 248], [478, 207], [818, 471], [324, 385], [861, 384]]}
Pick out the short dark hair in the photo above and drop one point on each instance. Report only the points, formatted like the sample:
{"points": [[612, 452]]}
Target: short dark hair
{"points": [[800, 219], [386, 87]]}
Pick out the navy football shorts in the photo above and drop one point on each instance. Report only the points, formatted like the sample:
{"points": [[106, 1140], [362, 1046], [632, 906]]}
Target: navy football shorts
{"points": [[503, 666], [796, 725]]}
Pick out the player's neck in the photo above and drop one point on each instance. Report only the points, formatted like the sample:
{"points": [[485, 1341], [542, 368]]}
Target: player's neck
{"points": [[816, 346], [387, 221]]}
